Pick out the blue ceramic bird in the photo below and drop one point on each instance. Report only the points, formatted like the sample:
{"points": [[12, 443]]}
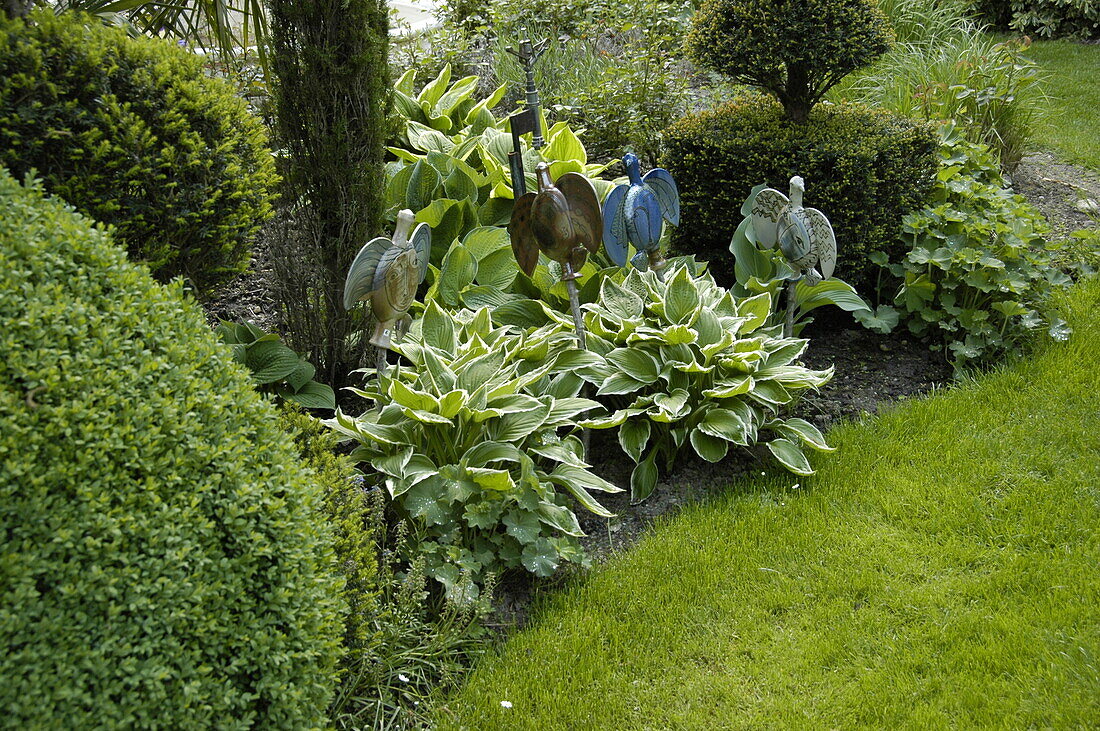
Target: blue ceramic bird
{"points": [[634, 214], [387, 272]]}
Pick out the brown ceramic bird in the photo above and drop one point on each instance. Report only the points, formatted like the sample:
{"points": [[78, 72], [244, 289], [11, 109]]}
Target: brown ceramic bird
{"points": [[562, 220], [387, 272]]}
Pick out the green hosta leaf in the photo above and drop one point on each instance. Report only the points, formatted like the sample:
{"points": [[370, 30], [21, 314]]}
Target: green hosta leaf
{"points": [[634, 437], [423, 181], [710, 448], [525, 527], [565, 146], [638, 365], [790, 456], [459, 185], [270, 361], [804, 431], [424, 416], [771, 392], [608, 422], [682, 300], [393, 464], [458, 271], [498, 270], [724, 424], [301, 375], [406, 396], [730, 386], [560, 518], [540, 557], [492, 479], [567, 451], [563, 473], [486, 240], [313, 395], [618, 383], [756, 309], [829, 292], [787, 352], [620, 302], [483, 453], [565, 410], [672, 406], [644, 478], [516, 426], [436, 370], [434, 89]]}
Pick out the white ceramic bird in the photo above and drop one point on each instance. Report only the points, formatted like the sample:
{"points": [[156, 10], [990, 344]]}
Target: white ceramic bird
{"points": [[804, 235], [387, 272]]}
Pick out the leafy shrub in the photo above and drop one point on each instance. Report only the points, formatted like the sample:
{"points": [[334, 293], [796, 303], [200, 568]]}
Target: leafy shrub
{"points": [[164, 564], [274, 366], [979, 272], [793, 50], [694, 364], [468, 444], [867, 170], [1046, 18], [130, 132]]}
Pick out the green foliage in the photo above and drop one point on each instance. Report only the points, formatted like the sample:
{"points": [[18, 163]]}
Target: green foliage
{"points": [[164, 564], [452, 169], [1045, 18], [399, 654], [867, 170], [795, 50], [761, 270], [468, 444], [990, 89], [979, 274], [275, 366], [332, 100], [130, 132], [695, 364]]}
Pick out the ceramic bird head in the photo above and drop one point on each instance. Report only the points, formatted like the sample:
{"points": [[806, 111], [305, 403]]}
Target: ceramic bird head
{"points": [[634, 214], [562, 220], [386, 272]]}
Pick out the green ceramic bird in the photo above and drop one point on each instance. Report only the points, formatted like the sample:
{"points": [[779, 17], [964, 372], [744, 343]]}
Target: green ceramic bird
{"points": [[562, 221], [387, 272]]}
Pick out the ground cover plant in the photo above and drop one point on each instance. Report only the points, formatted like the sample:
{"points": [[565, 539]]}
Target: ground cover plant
{"points": [[946, 579], [156, 523], [130, 132]]}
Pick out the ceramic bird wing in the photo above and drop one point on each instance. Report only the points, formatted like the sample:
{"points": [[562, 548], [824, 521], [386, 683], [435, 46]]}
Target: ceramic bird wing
{"points": [[362, 277], [584, 211], [822, 240], [614, 225], [524, 244], [664, 188], [421, 241], [794, 240], [767, 208]]}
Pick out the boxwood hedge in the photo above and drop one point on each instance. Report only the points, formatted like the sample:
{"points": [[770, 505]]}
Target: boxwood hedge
{"points": [[162, 559]]}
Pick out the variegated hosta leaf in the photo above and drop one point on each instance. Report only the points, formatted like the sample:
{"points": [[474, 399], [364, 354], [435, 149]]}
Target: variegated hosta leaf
{"points": [[802, 431], [790, 456]]}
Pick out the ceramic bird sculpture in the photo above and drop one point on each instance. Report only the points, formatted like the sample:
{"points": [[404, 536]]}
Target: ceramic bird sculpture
{"points": [[804, 235], [386, 272], [634, 213], [562, 220]]}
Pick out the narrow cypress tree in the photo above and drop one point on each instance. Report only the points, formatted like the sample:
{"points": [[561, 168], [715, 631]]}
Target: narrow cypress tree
{"points": [[332, 95]]}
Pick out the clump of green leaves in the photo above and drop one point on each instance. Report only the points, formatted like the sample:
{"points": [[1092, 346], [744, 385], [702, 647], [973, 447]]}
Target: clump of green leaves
{"points": [[694, 364], [759, 270], [475, 447], [275, 367], [980, 272]]}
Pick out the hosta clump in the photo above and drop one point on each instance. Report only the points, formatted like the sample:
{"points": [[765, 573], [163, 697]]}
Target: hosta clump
{"points": [[980, 272], [693, 364], [474, 446]]}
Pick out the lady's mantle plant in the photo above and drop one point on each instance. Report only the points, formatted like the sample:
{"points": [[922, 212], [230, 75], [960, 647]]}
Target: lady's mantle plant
{"points": [[474, 448], [692, 364]]}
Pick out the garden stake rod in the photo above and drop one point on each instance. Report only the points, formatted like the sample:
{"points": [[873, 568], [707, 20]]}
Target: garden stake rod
{"points": [[529, 120]]}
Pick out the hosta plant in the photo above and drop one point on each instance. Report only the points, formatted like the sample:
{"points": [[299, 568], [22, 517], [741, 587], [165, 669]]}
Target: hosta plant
{"points": [[692, 364], [275, 367], [475, 447], [980, 272]]}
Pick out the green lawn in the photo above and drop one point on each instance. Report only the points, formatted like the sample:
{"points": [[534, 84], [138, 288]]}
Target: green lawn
{"points": [[941, 570], [1071, 126]]}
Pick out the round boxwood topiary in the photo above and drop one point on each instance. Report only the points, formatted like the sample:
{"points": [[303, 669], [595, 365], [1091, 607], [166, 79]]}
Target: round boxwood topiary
{"points": [[131, 133], [864, 169], [794, 49], [163, 562]]}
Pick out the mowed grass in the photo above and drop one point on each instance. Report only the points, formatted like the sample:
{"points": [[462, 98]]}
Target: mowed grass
{"points": [[941, 570], [1071, 124]]}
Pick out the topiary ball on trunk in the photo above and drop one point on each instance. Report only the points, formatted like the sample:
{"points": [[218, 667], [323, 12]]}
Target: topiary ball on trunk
{"points": [[132, 133], [794, 49]]}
